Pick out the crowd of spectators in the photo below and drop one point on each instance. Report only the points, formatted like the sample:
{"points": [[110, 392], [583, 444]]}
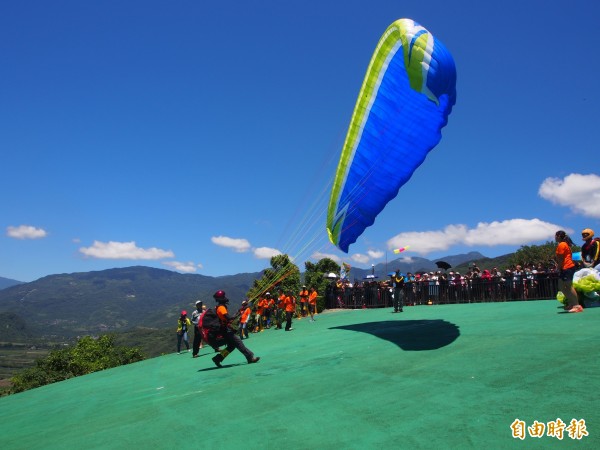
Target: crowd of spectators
{"points": [[532, 281]]}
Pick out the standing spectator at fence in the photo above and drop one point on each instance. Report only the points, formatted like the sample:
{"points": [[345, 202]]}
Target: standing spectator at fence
{"points": [[409, 289], [519, 291], [590, 250], [443, 287], [398, 285], [486, 282], [567, 270], [434, 291]]}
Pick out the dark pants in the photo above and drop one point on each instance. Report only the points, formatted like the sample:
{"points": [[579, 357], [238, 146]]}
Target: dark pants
{"points": [[398, 299], [183, 336], [197, 340], [233, 341], [288, 320]]}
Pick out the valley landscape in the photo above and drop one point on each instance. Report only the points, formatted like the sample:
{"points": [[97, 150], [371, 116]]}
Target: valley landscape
{"points": [[139, 304]]}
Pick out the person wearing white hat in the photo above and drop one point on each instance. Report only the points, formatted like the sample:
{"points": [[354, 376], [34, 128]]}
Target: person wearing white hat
{"points": [[196, 345]]}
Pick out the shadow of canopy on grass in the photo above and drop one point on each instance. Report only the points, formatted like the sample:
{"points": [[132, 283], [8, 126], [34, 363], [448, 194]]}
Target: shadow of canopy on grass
{"points": [[413, 335]]}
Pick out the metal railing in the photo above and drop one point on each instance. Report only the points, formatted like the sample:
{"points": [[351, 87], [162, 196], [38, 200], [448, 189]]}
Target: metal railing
{"points": [[377, 295]]}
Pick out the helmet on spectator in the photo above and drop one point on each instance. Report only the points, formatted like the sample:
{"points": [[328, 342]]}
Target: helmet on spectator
{"points": [[586, 234], [220, 297]]}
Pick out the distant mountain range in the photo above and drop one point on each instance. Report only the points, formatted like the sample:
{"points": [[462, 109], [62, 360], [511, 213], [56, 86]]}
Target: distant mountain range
{"points": [[7, 282], [417, 265], [116, 299], [68, 305]]}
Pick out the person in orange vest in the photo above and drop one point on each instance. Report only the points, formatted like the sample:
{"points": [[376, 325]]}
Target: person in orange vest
{"points": [[567, 269], [280, 309], [232, 340], [245, 312], [290, 307], [261, 307], [312, 303], [270, 311], [303, 302]]}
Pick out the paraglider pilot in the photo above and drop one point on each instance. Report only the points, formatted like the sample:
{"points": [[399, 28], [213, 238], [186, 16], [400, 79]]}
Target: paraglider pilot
{"points": [[232, 340]]}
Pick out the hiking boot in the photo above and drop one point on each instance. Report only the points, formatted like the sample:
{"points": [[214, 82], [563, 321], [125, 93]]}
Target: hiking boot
{"points": [[218, 360], [254, 360]]}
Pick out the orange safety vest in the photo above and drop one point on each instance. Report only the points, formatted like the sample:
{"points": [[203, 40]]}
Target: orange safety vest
{"points": [[290, 304], [245, 315], [563, 251], [262, 304], [303, 296]]}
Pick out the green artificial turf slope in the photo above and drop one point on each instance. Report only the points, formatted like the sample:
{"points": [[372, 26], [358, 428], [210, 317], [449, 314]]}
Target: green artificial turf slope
{"points": [[446, 376]]}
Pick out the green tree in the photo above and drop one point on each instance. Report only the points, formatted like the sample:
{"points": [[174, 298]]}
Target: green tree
{"points": [[283, 274], [87, 356], [537, 254], [314, 276]]}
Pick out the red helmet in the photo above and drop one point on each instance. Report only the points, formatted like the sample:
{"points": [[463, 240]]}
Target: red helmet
{"points": [[220, 297]]}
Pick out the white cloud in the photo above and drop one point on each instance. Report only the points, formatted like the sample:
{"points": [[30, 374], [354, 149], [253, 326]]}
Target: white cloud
{"points": [[507, 232], [580, 193], [510, 232], [185, 267], [375, 254], [124, 250], [266, 252], [319, 255], [237, 245], [26, 232], [360, 258]]}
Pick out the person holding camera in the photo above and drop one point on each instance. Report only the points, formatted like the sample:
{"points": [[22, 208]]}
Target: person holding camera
{"points": [[183, 325]]}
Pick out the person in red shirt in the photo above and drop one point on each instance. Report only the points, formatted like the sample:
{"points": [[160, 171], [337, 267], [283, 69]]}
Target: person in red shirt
{"points": [[567, 269], [232, 340]]}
